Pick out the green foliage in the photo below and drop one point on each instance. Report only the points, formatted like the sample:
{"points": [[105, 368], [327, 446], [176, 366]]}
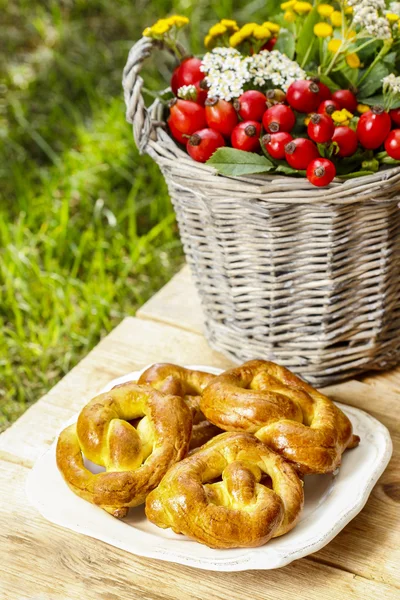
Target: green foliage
{"points": [[306, 46], [374, 80], [87, 232]]}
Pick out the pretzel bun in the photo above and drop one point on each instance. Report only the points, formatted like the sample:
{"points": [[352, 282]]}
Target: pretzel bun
{"points": [[283, 411], [135, 455], [189, 384], [239, 510]]}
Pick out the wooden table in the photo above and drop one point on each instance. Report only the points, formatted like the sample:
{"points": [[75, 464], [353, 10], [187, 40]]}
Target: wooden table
{"points": [[41, 561]]}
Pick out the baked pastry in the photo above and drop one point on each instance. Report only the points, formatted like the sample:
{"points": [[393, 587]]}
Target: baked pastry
{"points": [[136, 433], [233, 492], [189, 384], [283, 411]]}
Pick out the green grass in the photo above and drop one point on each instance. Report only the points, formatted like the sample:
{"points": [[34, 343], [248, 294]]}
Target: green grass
{"points": [[87, 232]]}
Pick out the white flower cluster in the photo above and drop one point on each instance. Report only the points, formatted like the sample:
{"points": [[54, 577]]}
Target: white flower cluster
{"points": [[227, 71], [187, 92], [394, 7], [368, 15], [274, 67], [391, 84]]}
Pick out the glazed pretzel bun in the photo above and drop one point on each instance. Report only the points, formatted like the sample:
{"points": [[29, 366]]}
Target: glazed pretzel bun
{"points": [[135, 455], [240, 510], [189, 384], [283, 411]]}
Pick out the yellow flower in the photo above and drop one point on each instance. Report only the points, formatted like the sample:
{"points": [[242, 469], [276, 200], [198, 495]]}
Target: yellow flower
{"points": [[353, 60], [336, 18], [302, 8], [235, 39], [325, 10], [248, 29], [261, 32], [230, 24], [350, 35], [274, 27], [217, 30], [392, 17], [147, 32], [289, 16], [177, 20], [342, 116], [288, 4], [362, 108], [348, 10], [323, 30], [161, 27], [209, 42], [334, 45]]}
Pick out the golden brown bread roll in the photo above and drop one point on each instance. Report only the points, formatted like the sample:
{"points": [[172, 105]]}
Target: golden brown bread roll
{"points": [[135, 455], [217, 495], [189, 384], [282, 410]]}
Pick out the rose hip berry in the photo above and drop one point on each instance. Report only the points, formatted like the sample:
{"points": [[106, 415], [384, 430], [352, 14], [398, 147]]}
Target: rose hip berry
{"points": [[346, 99], [182, 138], [187, 73], [327, 107], [320, 171], [300, 152], [202, 90], [324, 92], [303, 96], [251, 105], [202, 144], [275, 143], [395, 115], [392, 144], [279, 118], [221, 116], [187, 116], [346, 140], [373, 128], [246, 136], [320, 128]]}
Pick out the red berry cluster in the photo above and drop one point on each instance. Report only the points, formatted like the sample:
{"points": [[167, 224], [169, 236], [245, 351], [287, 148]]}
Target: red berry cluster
{"points": [[255, 122]]}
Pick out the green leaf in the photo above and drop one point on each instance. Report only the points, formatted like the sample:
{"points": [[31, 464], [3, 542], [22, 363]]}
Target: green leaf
{"points": [[286, 43], [284, 168], [356, 174], [329, 82], [374, 80], [380, 99], [307, 37], [234, 163]]}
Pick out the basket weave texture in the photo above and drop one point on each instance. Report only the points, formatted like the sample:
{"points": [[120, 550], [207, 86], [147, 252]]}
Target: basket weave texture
{"points": [[306, 277]]}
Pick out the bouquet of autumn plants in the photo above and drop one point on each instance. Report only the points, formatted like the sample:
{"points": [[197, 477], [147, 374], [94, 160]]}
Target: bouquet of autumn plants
{"points": [[313, 91]]}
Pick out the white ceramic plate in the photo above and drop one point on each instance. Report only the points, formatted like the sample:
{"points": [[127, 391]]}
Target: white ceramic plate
{"points": [[331, 501]]}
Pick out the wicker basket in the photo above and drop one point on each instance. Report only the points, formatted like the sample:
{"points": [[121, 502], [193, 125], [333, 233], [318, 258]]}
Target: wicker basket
{"points": [[306, 277]]}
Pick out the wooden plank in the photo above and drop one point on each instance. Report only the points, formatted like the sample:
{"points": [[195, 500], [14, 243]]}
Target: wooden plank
{"points": [[129, 347], [177, 303], [41, 561], [384, 380]]}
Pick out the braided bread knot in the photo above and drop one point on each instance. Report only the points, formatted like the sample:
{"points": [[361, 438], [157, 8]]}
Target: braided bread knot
{"points": [[283, 411], [189, 385], [258, 495], [136, 433]]}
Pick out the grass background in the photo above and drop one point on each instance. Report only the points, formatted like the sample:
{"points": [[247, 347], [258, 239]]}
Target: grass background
{"points": [[87, 232]]}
